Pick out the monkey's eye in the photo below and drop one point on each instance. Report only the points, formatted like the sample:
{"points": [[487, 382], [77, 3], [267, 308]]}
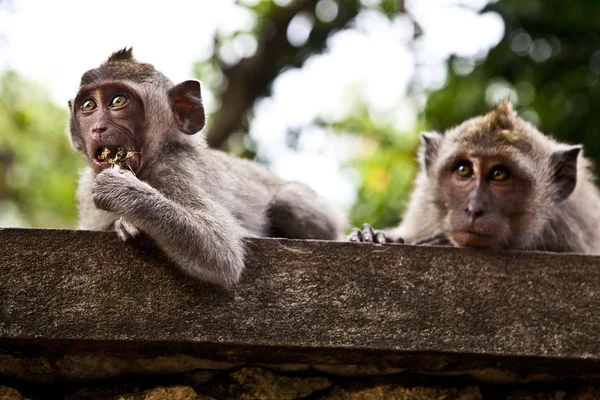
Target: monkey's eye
{"points": [[88, 105], [463, 170], [118, 101], [499, 174]]}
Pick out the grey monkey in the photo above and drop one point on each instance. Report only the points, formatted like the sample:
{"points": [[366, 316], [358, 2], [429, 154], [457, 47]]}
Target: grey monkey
{"points": [[496, 181], [196, 203]]}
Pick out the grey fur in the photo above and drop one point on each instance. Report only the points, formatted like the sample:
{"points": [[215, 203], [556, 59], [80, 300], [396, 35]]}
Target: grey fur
{"points": [[196, 203]]}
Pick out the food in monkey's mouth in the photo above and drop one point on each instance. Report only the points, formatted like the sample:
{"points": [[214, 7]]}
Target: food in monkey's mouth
{"points": [[120, 156]]}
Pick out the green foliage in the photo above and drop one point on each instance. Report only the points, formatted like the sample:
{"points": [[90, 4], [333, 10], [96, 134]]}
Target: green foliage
{"points": [[548, 61], [387, 180], [550, 58], [38, 169], [387, 165]]}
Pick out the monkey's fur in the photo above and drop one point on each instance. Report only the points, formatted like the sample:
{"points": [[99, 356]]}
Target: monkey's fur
{"points": [[559, 210], [196, 203]]}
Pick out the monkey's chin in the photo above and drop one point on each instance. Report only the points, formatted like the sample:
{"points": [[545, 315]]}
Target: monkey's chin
{"points": [[474, 239]]}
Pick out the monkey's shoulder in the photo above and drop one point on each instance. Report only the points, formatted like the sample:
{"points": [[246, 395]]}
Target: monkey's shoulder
{"points": [[211, 173], [241, 167]]}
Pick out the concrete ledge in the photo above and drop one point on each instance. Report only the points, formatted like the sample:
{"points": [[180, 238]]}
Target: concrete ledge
{"points": [[69, 296]]}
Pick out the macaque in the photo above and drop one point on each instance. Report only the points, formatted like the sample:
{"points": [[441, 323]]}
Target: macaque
{"points": [[149, 173], [495, 181]]}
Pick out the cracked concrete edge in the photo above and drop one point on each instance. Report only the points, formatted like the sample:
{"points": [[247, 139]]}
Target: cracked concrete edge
{"points": [[307, 302]]}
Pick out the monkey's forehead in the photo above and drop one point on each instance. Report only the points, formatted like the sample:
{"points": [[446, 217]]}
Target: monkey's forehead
{"points": [[127, 71], [486, 133], [124, 85], [494, 141]]}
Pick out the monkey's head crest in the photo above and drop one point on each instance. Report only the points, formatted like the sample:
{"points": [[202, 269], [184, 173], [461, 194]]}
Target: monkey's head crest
{"points": [[502, 117], [121, 65], [125, 54]]}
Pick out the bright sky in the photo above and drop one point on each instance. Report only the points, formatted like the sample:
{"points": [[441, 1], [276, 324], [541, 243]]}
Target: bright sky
{"points": [[371, 63]]}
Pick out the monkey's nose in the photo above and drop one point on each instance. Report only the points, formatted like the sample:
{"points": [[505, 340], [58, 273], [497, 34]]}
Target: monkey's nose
{"points": [[98, 129], [474, 212]]}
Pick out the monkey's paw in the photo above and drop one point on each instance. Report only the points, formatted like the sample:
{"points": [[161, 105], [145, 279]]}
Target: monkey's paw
{"points": [[125, 230], [117, 190], [437, 240], [368, 235]]}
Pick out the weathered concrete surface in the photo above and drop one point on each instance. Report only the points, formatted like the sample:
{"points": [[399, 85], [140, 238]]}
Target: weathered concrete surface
{"points": [[73, 299]]}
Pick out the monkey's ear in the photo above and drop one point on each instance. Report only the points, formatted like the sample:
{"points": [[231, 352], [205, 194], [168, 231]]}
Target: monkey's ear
{"points": [[186, 102], [430, 144], [70, 102], [564, 171]]}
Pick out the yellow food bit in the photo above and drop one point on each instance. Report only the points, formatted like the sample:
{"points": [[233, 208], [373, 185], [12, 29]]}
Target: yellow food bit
{"points": [[104, 154], [121, 156], [118, 158]]}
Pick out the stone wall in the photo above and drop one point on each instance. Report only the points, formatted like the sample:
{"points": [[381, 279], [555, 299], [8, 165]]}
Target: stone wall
{"points": [[84, 316], [253, 382]]}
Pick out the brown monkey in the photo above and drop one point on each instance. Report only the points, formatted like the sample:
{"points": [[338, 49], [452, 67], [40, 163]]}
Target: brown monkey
{"points": [[496, 181], [196, 203]]}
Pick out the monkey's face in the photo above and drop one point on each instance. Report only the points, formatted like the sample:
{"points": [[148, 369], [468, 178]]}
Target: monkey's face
{"points": [[484, 199], [110, 117]]}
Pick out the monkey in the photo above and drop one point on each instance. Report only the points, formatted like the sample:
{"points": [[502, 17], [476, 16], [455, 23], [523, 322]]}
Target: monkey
{"points": [[495, 181], [148, 172]]}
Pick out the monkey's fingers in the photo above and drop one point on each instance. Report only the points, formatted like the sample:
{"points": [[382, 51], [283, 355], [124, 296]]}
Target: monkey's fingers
{"points": [[367, 233], [380, 237], [125, 230], [355, 235]]}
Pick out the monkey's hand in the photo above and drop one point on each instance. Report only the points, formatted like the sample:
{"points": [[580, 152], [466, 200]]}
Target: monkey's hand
{"points": [[437, 240], [118, 190], [368, 235], [126, 230], [205, 241]]}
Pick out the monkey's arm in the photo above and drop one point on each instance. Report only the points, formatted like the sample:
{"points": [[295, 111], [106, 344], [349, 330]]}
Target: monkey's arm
{"points": [[206, 241], [419, 222], [421, 219]]}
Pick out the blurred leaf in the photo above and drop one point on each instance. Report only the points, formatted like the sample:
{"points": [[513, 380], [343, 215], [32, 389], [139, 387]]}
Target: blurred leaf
{"points": [[559, 90], [387, 165], [38, 168]]}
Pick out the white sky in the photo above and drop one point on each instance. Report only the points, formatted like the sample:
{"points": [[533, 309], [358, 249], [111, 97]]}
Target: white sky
{"points": [[54, 42]]}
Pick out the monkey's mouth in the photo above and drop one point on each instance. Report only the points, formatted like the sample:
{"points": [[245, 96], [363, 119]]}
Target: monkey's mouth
{"points": [[470, 238], [113, 155], [103, 152]]}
